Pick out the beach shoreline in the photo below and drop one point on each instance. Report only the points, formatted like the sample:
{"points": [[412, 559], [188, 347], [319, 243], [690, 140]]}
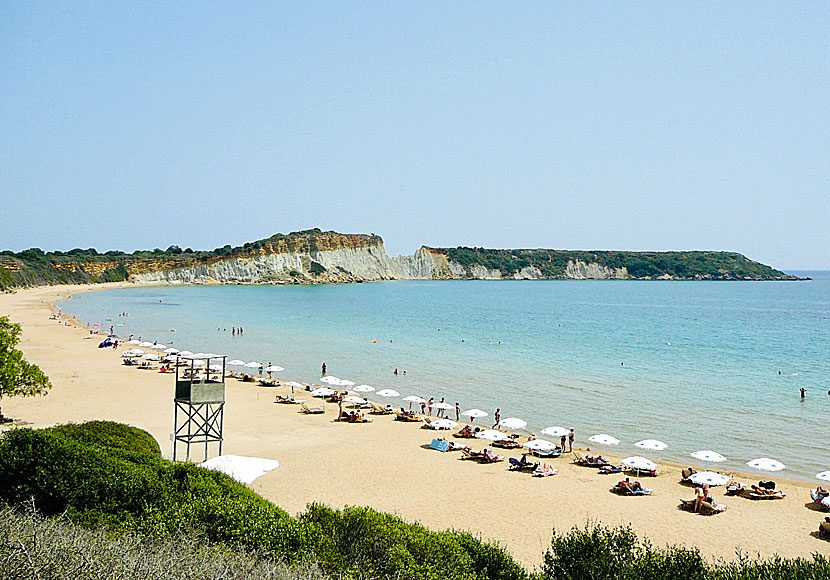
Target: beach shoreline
{"points": [[383, 465]]}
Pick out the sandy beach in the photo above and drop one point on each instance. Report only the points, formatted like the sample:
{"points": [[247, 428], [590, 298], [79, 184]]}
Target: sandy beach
{"points": [[384, 464]]}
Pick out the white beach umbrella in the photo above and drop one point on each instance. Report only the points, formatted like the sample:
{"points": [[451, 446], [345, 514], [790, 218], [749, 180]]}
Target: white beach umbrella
{"points": [[440, 405], [253, 365], [709, 477], [639, 463], [132, 352], [363, 389], [185, 353], [294, 384], [198, 363], [474, 413], [237, 363], [159, 346], [354, 399], [603, 439], [555, 431], [540, 445], [215, 367], [766, 464], [170, 358], [346, 383], [273, 369], [708, 456], [824, 476], [389, 393], [171, 350], [443, 424], [134, 341], [512, 423], [330, 380], [414, 399], [146, 344], [651, 445], [492, 435], [153, 357], [322, 392]]}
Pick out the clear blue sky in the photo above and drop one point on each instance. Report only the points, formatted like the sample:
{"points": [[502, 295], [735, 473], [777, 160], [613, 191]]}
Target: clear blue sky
{"points": [[638, 126]]}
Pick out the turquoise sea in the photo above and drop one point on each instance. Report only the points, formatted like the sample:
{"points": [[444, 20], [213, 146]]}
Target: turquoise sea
{"points": [[701, 359]]}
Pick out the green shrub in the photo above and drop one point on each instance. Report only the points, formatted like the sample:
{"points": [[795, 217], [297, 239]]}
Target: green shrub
{"points": [[360, 542], [109, 434], [130, 490], [599, 553]]}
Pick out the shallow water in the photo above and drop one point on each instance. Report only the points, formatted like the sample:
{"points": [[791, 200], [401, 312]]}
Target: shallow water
{"points": [[701, 359]]}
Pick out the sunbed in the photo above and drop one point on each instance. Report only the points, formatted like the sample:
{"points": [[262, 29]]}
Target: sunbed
{"points": [[517, 465], [763, 495], [590, 460], [544, 471], [622, 489], [735, 488], [305, 409], [407, 417], [465, 433], [552, 454], [378, 410], [288, 400], [507, 444], [706, 508]]}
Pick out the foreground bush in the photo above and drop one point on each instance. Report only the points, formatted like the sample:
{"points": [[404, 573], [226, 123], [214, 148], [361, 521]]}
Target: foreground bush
{"points": [[362, 542], [35, 547], [110, 435], [600, 553], [135, 491]]}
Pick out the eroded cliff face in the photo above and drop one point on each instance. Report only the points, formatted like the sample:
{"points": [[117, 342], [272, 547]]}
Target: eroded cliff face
{"points": [[339, 261]]}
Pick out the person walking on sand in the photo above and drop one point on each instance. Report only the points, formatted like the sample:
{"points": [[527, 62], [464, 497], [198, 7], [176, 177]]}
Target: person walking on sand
{"points": [[562, 442], [498, 418], [440, 412], [269, 369], [429, 404], [570, 441], [457, 411], [323, 368]]}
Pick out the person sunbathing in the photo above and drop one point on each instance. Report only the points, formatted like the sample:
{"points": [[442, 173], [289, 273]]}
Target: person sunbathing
{"points": [[466, 431], [596, 459]]}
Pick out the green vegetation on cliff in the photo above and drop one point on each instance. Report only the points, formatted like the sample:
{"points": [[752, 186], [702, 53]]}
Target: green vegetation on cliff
{"points": [[639, 265]]}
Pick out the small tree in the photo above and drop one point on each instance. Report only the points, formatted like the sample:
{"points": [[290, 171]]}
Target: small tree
{"points": [[17, 375]]}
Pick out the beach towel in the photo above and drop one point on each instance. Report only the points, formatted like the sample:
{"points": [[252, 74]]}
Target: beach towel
{"points": [[440, 445]]}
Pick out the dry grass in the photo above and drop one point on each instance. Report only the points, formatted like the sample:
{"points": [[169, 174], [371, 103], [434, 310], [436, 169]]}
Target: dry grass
{"points": [[36, 547]]}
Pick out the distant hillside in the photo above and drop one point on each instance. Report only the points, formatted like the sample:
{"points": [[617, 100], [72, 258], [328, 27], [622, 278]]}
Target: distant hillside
{"points": [[317, 257], [556, 264]]}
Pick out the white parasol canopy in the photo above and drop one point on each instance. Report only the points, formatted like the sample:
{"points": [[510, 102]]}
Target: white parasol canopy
{"points": [[709, 477], [363, 389], [253, 365], [171, 350], [151, 357], [474, 413], [389, 393], [354, 399], [236, 362], [651, 445], [708, 456], [491, 435], [136, 342], [273, 369], [440, 405], [512, 423], [331, 380], [414, 399], [603, 439], [322, 392], [185, 353], [555, 431], [766, 464], [540, 445], [443, 424], [639, 463]]}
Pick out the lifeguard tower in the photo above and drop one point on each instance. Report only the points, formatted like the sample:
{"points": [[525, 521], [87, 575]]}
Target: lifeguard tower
{"points": [[200, 401]]}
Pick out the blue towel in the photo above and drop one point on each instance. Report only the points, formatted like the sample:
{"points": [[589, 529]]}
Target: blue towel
{"points": [[440, 445]]}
